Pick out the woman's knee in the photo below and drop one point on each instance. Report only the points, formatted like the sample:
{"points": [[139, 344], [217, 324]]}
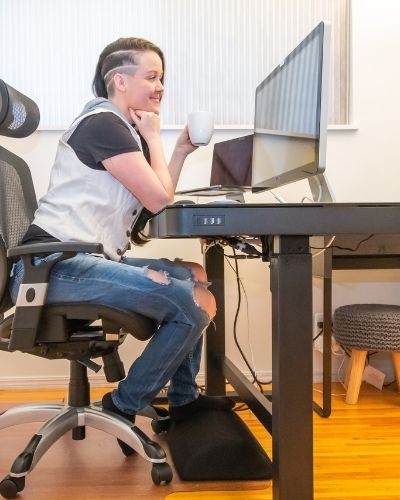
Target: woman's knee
{"points": [[158, 276], [202, 297], [205, 300], [198, 271]]}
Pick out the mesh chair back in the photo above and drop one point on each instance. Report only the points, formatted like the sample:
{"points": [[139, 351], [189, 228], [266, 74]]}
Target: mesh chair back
{"points": [[17, 198], [19, 117], [17, 207]]}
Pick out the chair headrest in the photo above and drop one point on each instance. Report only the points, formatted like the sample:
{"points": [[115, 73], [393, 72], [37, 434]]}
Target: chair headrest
{"points": [[19, 115]]}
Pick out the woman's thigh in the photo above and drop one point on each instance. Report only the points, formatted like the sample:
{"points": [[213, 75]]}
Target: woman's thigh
{"points": [[87, 278], [176, 269]]}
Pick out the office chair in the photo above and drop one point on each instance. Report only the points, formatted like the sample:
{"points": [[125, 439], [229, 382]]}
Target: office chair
{"points": [[60, 331]]}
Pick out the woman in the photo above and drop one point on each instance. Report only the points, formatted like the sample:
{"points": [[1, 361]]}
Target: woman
{"points": [[109, 171]]}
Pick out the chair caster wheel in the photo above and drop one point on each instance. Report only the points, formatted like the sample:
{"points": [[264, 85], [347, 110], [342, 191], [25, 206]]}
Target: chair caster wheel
{"points": [[159, 426], [161, 473], [11, 486], [126, 449]]}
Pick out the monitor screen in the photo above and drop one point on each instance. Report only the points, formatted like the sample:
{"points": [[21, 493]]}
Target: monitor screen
{"points": [[290, 121]]}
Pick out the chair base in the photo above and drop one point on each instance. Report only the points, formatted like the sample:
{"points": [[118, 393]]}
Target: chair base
{"points": [[61, 419]]}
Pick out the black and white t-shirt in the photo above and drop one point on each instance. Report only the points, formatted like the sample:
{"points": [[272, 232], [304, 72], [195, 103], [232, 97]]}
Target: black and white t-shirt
{"points": [[96, 138]]}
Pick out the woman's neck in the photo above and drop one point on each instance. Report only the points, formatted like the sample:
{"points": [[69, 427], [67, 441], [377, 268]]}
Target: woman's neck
{"points": [[121, 106]]}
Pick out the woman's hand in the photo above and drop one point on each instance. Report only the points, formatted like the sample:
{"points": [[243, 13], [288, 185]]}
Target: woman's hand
{"points": [[183, 143], [147, 123]]}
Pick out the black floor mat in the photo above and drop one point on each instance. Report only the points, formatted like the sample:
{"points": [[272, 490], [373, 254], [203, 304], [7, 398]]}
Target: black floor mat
{"points": [[217, 445]]}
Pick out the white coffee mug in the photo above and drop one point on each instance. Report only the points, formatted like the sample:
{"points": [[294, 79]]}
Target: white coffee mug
{"points": [[200, 127]]}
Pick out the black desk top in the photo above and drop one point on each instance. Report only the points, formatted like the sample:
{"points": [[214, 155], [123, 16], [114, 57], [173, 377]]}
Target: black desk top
{"points": [[249, 219]]}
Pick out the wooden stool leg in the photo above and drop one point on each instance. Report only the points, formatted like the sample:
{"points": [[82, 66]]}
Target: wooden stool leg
{"points": [[357, 365], [348, 371], [396, 366]]}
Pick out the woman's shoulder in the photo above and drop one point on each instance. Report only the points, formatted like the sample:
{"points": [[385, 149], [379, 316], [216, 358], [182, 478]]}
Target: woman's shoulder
{"points": [[102, 120], [105, 126], [100, 136]]}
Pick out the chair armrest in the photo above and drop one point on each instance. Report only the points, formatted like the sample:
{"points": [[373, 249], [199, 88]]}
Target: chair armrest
{"points": [[53, 247], [33, 289]]}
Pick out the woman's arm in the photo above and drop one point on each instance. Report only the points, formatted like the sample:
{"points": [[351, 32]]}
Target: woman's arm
{"points": [[183, 148], [153, 185], [135, 174], [150, 183]]}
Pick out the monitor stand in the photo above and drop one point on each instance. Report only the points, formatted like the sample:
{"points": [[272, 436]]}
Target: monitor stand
{"points": [[320, 189]]}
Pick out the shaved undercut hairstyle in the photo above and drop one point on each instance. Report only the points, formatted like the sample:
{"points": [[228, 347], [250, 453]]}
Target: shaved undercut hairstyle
{"points": [[120, 56]]}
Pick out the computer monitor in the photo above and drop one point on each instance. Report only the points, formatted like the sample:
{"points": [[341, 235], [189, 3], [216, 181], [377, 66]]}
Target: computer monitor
{"points": [[290, 129], [290, 125]]}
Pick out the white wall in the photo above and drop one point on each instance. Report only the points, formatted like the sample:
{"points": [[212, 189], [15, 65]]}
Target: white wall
{"points": [[197, 38], [362, 166]]}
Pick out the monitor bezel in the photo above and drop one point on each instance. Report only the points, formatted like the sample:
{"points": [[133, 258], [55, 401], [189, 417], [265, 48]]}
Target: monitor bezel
{"points": [[318, 166]]}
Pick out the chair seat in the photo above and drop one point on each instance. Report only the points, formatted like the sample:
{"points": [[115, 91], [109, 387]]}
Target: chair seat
{"points": [[141, 327], [61, 321], [368, 326], [137, 325]]}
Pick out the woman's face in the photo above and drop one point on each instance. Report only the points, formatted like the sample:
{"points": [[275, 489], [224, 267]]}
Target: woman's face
{"points": [[144, 88]]}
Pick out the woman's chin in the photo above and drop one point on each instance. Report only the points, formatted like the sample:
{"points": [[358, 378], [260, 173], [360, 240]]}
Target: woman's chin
{"points": [[155, 107]]}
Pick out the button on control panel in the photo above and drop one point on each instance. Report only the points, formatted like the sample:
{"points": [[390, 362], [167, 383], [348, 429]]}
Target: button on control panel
{"points": [[209, 220]]}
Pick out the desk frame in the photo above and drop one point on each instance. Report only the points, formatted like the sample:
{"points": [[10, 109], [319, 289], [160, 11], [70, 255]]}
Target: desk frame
{"points": [[381, 252], [291, 226], [292, 432]]}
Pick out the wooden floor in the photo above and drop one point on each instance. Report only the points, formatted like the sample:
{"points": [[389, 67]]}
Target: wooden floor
{"points": [[356, 450]]}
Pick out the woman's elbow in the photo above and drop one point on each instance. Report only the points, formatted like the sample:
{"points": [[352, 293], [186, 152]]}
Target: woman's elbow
{"points": [[156, 205]]}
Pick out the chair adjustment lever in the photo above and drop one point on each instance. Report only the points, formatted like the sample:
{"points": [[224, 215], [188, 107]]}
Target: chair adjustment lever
{"points": [[90, 364]]}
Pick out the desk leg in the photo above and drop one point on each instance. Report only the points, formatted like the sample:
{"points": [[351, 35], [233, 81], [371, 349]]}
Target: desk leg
{"points": [[327, 355], [292, 432], [326, 409], [323, 269], [215, 337]]}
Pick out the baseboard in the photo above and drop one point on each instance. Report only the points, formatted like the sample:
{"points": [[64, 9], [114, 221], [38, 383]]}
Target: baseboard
{"points": [[61, 381], [48, 382]]}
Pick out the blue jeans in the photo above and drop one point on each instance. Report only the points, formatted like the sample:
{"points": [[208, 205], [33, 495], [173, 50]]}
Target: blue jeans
{"points": [[173, 353]]}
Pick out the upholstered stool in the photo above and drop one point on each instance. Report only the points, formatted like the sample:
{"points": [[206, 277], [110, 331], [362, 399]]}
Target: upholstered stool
{"points": [[363, 328]]}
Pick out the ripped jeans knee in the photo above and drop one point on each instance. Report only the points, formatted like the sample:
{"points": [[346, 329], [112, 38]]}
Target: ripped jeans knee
{"points": [[205, 300], [159, 276], [202, 297]]}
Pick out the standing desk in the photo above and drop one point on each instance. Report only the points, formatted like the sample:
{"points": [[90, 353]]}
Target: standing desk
{"points": [[284, 231], [382, 251]]}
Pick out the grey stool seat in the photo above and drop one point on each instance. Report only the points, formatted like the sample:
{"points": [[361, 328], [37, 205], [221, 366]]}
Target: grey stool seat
{"points": [[362, 328]]}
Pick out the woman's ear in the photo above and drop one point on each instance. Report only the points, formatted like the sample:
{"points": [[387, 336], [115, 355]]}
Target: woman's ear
{"points": [[119, 82]]}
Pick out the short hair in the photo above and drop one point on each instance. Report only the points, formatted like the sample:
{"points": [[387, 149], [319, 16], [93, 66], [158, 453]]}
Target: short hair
{"points": [[118, 55]]}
